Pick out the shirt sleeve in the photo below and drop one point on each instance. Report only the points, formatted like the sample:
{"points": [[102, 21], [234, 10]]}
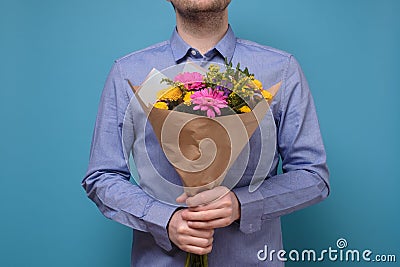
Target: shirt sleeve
{"points": [[304, 180], [107, 179]]}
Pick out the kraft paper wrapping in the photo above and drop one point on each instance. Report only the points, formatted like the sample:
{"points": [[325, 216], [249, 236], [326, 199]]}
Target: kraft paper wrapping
{"points": [[202, 149]]}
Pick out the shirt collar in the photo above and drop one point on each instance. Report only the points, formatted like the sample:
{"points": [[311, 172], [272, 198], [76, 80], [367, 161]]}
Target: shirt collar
{"points": [[226, 46]]}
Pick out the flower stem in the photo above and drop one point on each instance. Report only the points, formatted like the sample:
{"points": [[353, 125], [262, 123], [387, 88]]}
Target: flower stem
{"points": [[193, 260]]}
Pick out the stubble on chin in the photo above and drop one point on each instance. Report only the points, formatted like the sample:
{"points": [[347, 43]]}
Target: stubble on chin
{"points": [[194, 8]]}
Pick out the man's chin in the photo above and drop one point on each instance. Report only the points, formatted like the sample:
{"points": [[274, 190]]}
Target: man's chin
{"points": [[200, 6]]}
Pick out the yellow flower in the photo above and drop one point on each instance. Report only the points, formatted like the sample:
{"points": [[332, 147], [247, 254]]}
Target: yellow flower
{"points": [[161, 105], [257, 83], [172, 93], [186, 99], [245, 109], [267, 95]]}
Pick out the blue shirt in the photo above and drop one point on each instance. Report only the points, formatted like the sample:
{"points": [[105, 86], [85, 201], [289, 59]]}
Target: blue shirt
{"points": [[304, 180]]}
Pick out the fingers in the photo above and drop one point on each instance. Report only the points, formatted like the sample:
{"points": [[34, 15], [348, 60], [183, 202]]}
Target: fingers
{"points": [[222, 202], [197, 250], [182, 198], [192, 229], [217, 214], [185, 230], [207, 196], [218, 223], [198, 241], [195, 241], [206, 215]]}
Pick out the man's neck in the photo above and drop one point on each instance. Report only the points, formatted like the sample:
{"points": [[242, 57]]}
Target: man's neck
{"points": [[203, 32]]}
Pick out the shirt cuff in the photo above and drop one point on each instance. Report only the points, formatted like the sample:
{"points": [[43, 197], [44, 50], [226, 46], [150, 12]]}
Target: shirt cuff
{"points": [[157, 219], [251, 209]]}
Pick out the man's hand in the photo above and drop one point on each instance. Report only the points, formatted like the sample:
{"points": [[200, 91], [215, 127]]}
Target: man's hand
{"points": [[215, 208], [197, 241]]}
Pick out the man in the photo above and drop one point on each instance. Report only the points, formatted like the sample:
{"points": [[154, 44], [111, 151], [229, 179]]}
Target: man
{"points": [[233, 228]]}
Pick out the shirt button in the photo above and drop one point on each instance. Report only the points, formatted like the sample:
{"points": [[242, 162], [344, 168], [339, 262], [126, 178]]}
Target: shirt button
{"points": [[193, 52]]}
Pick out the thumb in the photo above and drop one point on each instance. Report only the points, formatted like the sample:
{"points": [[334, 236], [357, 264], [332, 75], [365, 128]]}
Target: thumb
{"points": [[182, 198]]}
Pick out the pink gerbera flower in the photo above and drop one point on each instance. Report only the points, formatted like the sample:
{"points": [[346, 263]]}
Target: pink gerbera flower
{"points": [[191, 80], [209, 100]]}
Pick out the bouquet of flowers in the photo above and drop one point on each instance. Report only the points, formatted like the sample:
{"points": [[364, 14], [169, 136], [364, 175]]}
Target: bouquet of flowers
{"points": [[202, 120]]}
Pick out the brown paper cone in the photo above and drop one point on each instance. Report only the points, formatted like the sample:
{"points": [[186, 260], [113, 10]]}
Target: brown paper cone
{"points": [[202, 149]]}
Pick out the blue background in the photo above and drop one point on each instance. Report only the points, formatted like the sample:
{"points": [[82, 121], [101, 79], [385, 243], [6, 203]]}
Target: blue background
{"points": [[55, 56]]}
